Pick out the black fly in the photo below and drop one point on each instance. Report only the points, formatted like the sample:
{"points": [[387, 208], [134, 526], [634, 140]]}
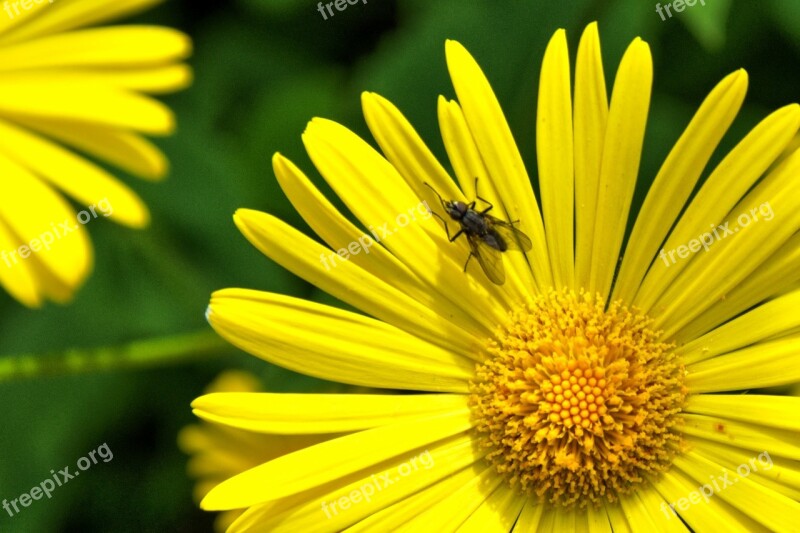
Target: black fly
{"points": [[488, 236]]}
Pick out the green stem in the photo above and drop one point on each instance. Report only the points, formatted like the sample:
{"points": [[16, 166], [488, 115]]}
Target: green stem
{"points": [[135, 355]]}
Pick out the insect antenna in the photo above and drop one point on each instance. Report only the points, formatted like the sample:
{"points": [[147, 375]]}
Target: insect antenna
{"points": [[437, 215], [439, 196]]}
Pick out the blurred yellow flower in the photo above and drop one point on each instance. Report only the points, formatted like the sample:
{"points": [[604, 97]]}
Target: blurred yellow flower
{"points": [[598, 388], [69, 95], [219, 452]]}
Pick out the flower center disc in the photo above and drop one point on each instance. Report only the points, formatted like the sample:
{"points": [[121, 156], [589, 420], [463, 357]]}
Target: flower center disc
{"points": [[576, 402]]}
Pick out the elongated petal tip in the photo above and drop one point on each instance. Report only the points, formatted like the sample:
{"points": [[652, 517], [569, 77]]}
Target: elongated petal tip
{"points": [[278, 158], [201, 401], [368, 96], [312, 124], [370, 102], [556, 45], [639, 60], [215, 501], [453, 48], [738, 77], [247, 216]]}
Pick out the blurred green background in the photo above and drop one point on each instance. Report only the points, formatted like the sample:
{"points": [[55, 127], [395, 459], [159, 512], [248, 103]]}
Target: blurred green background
{"points": [[263, 69]]}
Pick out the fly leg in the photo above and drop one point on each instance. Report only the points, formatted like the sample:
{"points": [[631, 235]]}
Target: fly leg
{"points": [[468, 258], [484, 200], [447, 229]]}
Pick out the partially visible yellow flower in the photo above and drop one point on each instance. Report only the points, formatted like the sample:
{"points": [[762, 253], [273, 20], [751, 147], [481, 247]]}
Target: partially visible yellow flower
{"points": [[68, 91], [219, 452]]}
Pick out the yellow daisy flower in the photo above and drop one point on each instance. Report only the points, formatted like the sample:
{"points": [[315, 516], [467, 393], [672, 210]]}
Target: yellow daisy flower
{"points": [[591, 390], [67, 88]]}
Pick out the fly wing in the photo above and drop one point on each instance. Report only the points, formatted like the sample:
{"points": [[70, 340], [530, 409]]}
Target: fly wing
{"points": [[489, 258], [514, 238]]}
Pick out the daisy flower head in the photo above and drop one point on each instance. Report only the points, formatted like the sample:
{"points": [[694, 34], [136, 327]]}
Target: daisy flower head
{"points": [[596, 388], [71, 96]]}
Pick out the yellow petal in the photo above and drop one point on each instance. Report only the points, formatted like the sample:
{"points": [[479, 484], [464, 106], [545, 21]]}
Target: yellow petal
{"points": [[772, 318], [677, 178], [340, 234], [402, 145], [115, 46], [622, 151], [773, 510], [392, 517], [702, 514], [452, 511], [561, 519], [728, 182], [157, 79], [500, 154], [17, 278], [299, 471], [64, 255], [778, 473], [771, 214], [293, 414], [591, 115], [463, 153], [776, 411], [74, 101], [128, 151], [349, 500], [351, 284], [641, 510], [779, 442], [776, 360], [84, 181], [617, 519], [343, 346], [555, 157], [359, 175], [497, 513], [529, 518], [471, 171], [59, 17], [597, 520], [775, 276]]}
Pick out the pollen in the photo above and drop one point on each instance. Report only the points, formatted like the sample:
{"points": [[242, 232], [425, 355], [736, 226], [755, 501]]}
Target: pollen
{"points": [[578, 403]]}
